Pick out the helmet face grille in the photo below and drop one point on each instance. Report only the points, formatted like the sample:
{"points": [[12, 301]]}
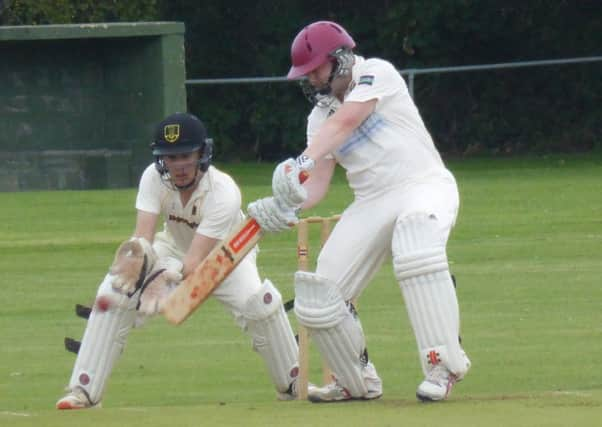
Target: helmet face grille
{"points": [[343, 59]]}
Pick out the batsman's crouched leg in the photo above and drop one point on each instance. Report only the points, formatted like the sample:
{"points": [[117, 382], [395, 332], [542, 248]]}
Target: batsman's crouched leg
{"points": [[337, 332], [273, 338], [110, 321]]}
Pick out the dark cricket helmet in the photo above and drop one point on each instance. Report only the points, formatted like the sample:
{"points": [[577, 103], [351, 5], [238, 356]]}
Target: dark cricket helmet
{"points": [[181, 133]]}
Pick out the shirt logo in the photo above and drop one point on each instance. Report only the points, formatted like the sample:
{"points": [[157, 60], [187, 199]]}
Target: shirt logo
{"points": [[366, 80], [180, 220], [171, 133]]}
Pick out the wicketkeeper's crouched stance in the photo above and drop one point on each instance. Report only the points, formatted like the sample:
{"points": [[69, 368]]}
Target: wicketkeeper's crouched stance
{"points": [[200, 206]]}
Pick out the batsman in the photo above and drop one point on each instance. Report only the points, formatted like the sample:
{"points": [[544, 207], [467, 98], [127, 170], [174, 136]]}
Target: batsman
{"points": [[405, 205], [200, 206]]}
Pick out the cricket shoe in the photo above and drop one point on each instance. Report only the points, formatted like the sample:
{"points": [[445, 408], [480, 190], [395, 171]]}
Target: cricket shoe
{"points": [[76, 399], [292, 393], [335, 392], [438, 383]]}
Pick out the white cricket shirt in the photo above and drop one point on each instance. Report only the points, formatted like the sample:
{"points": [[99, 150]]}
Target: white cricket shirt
{"points": [[213, 210], [392, 146]]}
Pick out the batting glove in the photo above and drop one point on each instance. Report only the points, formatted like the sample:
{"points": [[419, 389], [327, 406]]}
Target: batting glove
{"points": [[272, 214], [286, 181]]}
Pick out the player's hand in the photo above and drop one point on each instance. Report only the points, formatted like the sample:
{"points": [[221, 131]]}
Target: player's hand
{"points": [[133, 259], [159, 284], [286, 182], [272, 214]]}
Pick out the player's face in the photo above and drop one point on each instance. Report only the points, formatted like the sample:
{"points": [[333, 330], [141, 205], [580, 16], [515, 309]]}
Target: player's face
{"points": [[182, 167], [318, 78]]}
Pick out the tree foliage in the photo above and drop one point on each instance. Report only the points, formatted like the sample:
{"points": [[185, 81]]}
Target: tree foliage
{"points": [[506, 111], [45, 12]]}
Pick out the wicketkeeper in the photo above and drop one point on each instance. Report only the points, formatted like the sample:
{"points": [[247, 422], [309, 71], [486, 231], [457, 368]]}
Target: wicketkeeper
{"points": [[200, 205], [405, 206]]}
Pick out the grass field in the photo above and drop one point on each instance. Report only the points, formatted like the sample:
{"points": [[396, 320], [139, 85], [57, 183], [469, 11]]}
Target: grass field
{"points": [[526, 252]]}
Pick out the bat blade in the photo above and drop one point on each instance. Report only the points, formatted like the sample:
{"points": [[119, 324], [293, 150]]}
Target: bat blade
{"points": [[220, 262]]}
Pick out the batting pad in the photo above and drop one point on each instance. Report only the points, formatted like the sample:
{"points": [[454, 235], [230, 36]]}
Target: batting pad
{"points": [[272, 335], [421, 268], [336, 331], [108, 326]]}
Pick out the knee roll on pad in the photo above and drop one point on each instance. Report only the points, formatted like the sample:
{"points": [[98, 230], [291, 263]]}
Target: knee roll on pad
{"points": [[417, 247], [264, 303], [272, 334], [336, 331], [421, 268], [318, 303], [107, 329]]}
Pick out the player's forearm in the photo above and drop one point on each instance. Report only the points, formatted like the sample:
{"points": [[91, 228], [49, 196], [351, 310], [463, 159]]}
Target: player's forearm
{"points": [[314, 196], [198, 251], [146, 224], [331, 136], [318, 183]]}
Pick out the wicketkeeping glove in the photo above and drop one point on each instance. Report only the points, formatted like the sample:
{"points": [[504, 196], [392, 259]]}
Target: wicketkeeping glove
{"points": [[159, 284], [133, 260]]}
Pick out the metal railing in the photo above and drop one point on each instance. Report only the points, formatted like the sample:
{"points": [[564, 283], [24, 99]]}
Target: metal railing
{"points": [[411, 72]]}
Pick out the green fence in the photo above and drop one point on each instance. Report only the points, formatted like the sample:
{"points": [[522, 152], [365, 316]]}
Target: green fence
{"points": [[78, 102]]}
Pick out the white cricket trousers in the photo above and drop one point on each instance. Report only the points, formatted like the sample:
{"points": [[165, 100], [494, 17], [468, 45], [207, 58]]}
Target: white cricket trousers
{"points": [[361, 240]]}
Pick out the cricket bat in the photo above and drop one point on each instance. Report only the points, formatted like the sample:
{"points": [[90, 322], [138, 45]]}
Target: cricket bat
{"points": [[210, 273], [220, 262]]}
